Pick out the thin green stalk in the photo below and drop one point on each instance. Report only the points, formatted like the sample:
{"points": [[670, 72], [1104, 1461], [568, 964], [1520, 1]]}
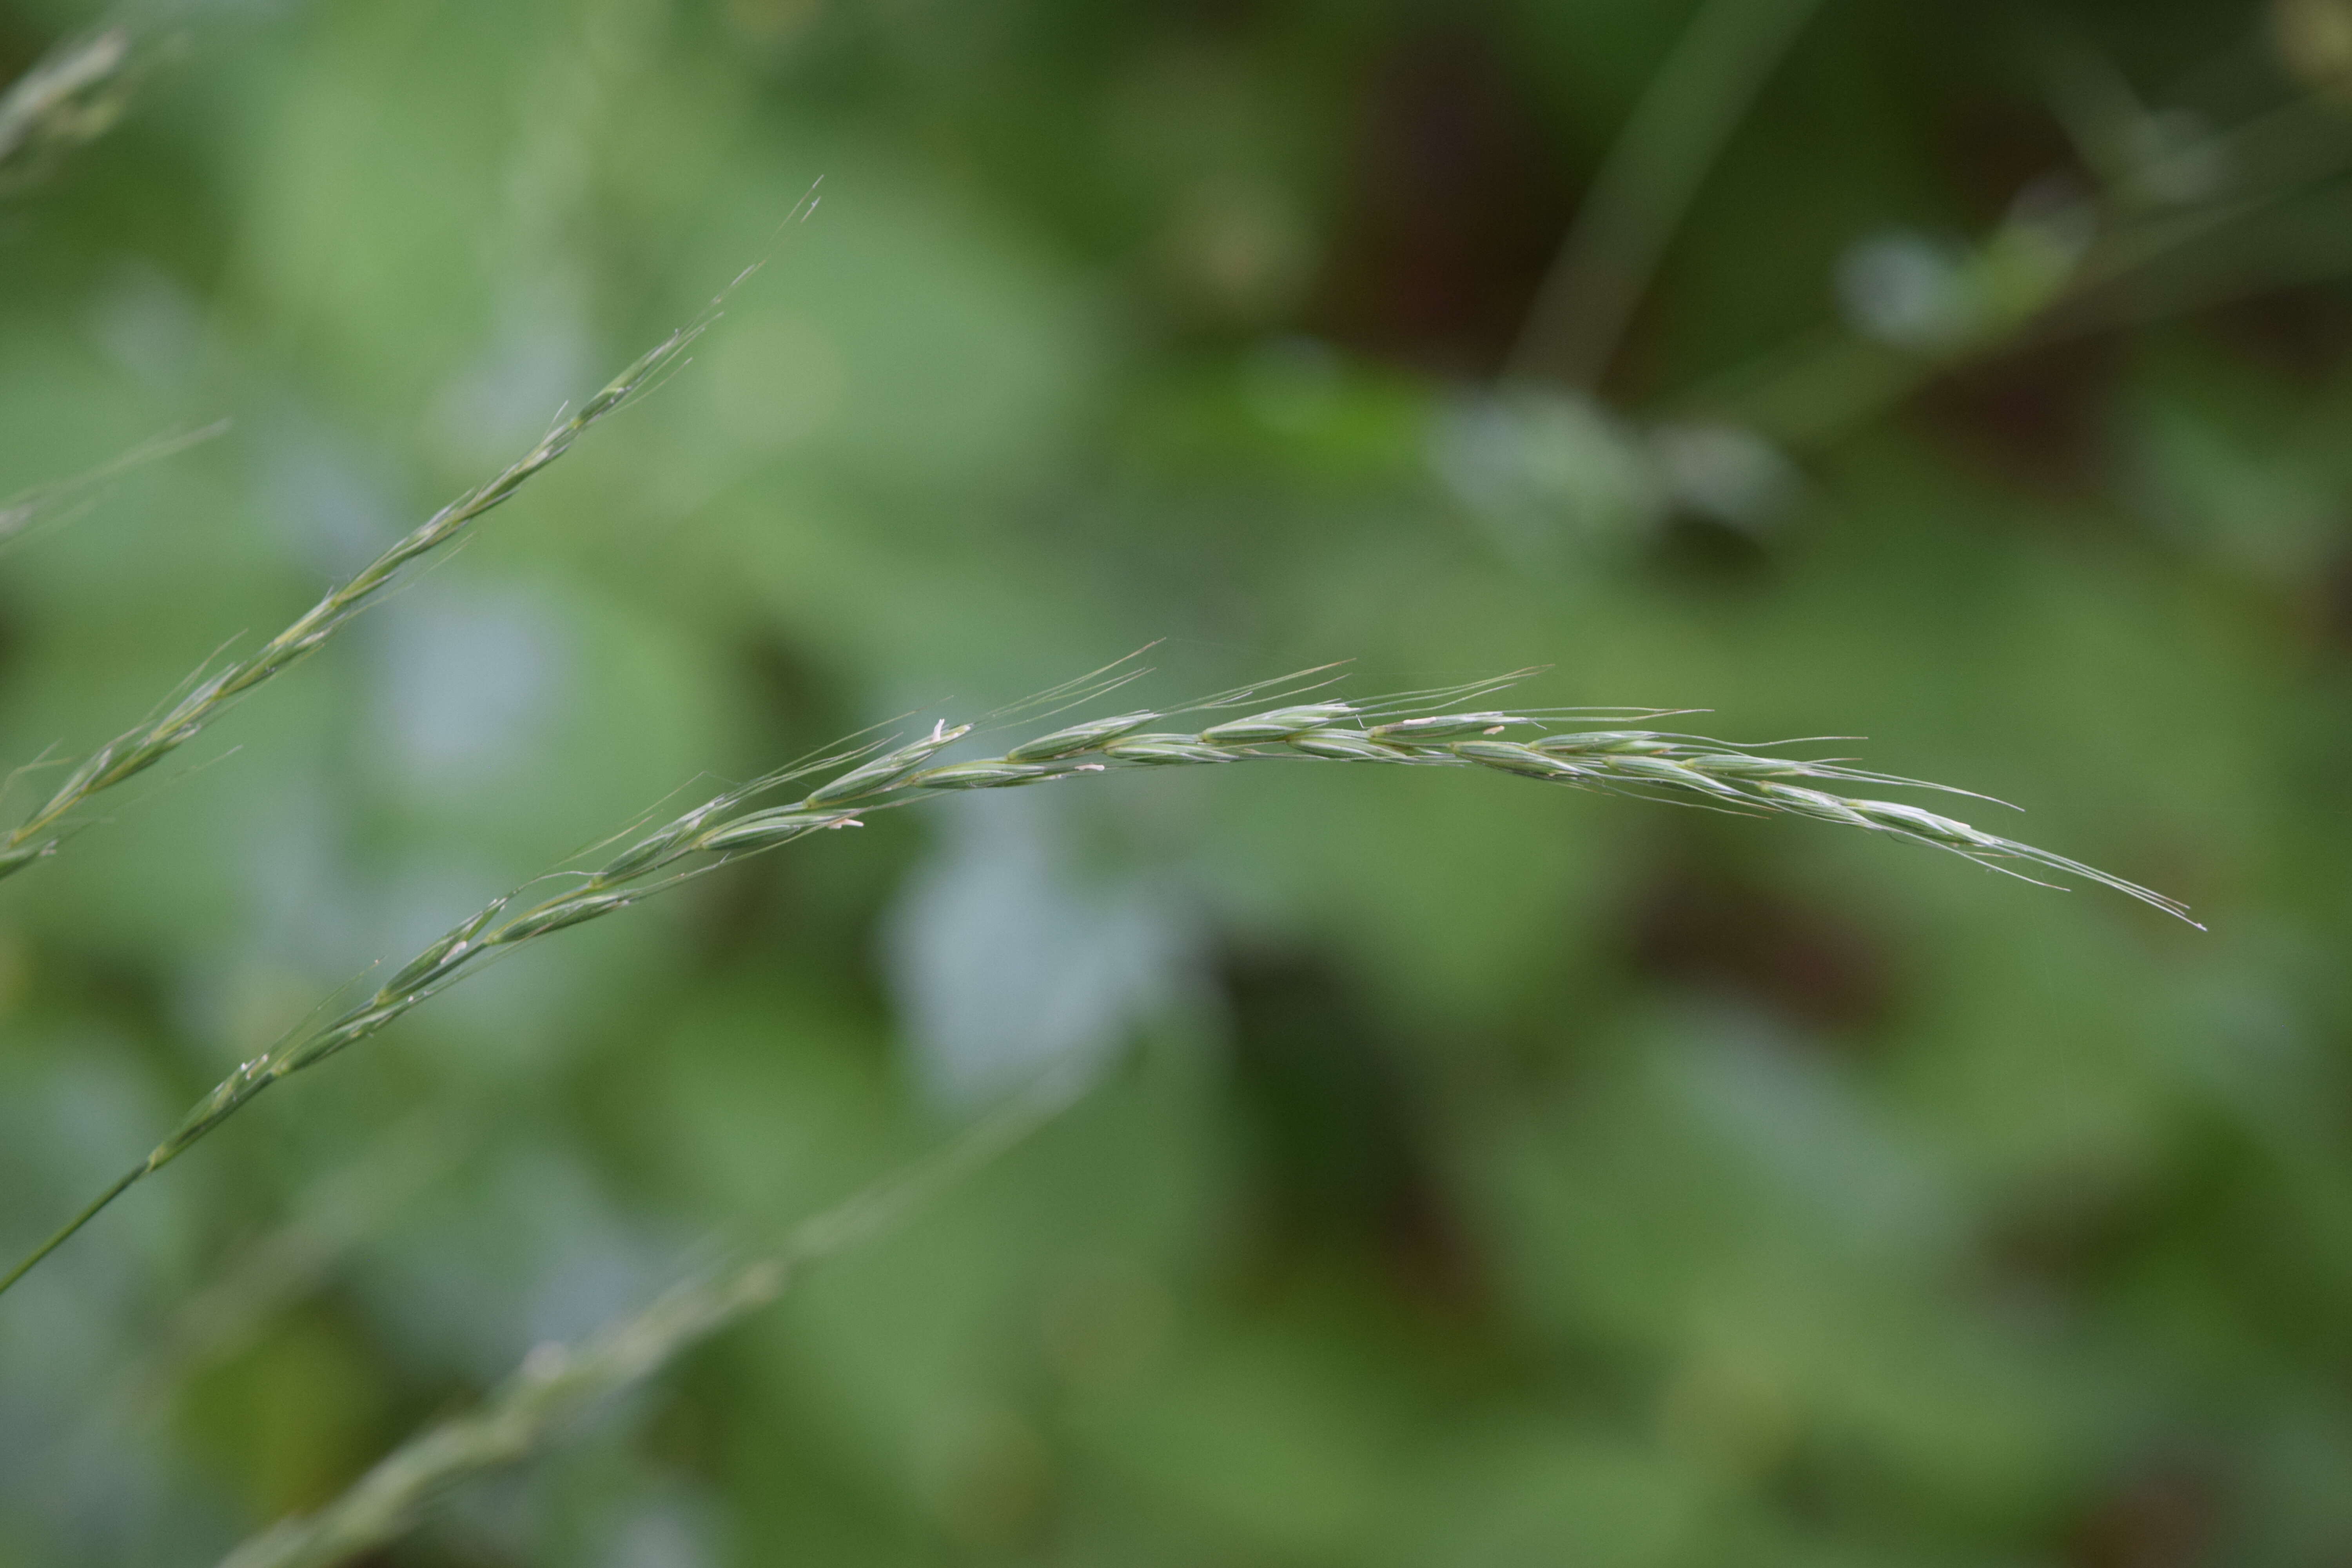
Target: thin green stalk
{"points": [[556, 1383], [65, 1231], [1413, 730], [1827, 380], [1647, 183], [137, 750]]}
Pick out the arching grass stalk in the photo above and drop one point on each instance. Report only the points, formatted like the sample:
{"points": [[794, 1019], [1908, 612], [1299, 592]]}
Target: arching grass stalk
{"points": [[137, 750], [1430, 729], [558, 1382]]}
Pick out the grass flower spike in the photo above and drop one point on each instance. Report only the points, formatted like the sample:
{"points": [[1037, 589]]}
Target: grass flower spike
{"points": [[135, 751], [1557, 746]]}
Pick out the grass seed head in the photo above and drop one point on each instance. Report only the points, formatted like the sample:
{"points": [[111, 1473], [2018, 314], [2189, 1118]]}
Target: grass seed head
{"points": [[133, 753], [1669, 771], [1277, 724], [1511, 757], [1345, 746], [1684, 770], [1168, 751], [888, 771], [997, 775], [766, 829], [1581, 742], [1438, 727], [556, 915], [1079, 738]]}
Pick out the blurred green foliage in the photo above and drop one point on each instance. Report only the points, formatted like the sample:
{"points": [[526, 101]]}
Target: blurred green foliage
{"points": [[1477, 1174]]}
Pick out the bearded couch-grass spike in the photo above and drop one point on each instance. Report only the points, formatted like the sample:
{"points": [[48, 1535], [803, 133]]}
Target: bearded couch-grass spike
{"points": [[1414, 730]]}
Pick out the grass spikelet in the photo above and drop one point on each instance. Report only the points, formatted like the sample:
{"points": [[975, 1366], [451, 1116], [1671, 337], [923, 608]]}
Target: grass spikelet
{"points": [[1648, 765]]}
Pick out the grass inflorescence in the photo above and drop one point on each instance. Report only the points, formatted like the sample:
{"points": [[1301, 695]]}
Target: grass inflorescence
{"points": [[1590, 749], [135, 751]]}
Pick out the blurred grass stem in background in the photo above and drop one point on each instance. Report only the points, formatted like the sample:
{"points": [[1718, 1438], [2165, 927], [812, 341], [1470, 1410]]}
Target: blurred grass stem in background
{"points": [[71, 95], [48, 505], [1679, 126], [2061, 265], [557, 1383]]}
